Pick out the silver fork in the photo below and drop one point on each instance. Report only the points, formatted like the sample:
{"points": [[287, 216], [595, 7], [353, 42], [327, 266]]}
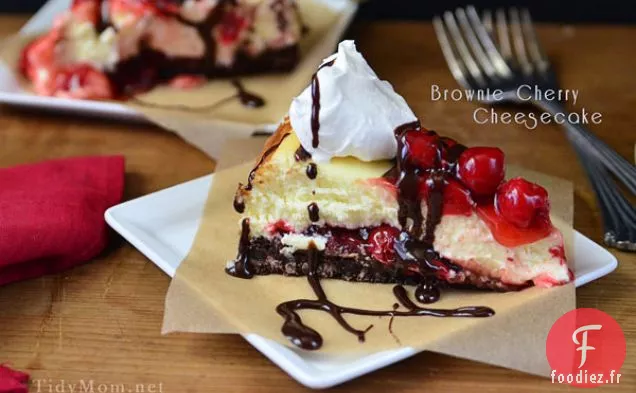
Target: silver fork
{"points": [[478, 61]]}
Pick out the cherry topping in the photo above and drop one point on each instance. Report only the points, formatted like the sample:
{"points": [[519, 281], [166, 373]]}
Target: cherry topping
{"points": [[82, 81], [509, 234], [522, 203], [87, 10], [231, 26], [381, 243], [448, 141], [423, 148], [457, 199], [25, 64], [481, 169]]}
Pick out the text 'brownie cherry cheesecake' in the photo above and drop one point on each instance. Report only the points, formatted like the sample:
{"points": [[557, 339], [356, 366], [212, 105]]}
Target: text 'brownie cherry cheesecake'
{"points": [[352, 187], [104, 49]]}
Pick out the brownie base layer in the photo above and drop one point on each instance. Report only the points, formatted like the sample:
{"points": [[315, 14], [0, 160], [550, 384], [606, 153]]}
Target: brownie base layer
{"points": [[151, 67], [266, 257]]}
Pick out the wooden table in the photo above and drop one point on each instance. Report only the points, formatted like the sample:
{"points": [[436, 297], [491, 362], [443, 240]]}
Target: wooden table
{"points": [[101, 321]]}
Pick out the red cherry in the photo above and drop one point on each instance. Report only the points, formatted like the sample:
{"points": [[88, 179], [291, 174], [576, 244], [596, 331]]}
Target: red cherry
{"points": [[481, 169], [381, 243], [522, 203], [344, 241], [423, 148], [457, 199]]}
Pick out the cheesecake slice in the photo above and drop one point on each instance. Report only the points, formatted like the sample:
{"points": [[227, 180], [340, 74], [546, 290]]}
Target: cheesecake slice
{"points": [[112, 49], [388, 204]]}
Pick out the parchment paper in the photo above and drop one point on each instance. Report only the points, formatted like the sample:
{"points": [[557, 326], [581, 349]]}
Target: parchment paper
{"points": [[203, 298], [208, 129]]}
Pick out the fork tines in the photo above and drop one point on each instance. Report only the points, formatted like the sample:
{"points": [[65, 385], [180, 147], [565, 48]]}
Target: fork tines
{"points": [[477, 47]]}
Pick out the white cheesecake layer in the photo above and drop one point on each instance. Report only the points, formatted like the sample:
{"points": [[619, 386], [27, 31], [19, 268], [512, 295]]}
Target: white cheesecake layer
{"points": [[338, 191]]}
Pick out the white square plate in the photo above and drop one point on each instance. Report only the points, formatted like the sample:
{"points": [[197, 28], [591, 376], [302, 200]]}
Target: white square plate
{"points": [[164, 231], [12, 93]]}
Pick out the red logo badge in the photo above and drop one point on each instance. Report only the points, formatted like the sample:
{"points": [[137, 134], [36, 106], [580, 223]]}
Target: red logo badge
{"points": [[586, 348]]}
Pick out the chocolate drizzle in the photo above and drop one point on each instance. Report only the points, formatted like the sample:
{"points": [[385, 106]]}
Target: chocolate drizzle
{"points": [[239, 203], [434, 204], [395, 307], [241, 267], [413, 246], [312, 171], [314, 212], [427, 291], [408, 186], [301, 154], [315, 104], [305, 337]]}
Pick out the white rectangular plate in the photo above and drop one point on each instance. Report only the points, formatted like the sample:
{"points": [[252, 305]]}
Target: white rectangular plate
{"points": [[11, 92], [162, 226]]}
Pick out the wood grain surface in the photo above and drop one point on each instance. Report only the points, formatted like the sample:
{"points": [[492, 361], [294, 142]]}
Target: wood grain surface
{"points": [[101, 321]]}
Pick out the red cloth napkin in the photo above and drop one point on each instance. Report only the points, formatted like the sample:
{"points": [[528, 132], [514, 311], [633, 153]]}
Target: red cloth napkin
{"points": [[12, 381], [52, 214]]}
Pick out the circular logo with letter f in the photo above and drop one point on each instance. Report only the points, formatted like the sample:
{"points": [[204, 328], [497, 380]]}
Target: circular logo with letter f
{"points": [[586, 348]]}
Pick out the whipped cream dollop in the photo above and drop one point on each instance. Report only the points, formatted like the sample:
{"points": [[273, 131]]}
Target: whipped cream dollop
{"points": [[357, 114]]}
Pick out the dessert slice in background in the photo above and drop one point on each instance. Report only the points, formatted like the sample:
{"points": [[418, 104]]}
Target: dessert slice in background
{"points": [[112, 49], [351, 175]]}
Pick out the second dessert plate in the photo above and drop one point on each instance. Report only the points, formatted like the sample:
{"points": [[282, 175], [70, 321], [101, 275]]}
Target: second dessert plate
{"points": [[164, 231], [12, 93]]}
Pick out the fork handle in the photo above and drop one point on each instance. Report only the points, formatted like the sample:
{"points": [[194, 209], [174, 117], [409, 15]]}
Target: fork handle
{"points": [[619, 218], [614, 162]]}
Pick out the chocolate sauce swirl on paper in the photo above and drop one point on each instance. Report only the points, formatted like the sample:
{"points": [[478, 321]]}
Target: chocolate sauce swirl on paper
{"points": [[305, 337], [246, 98], [315, 104]]}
